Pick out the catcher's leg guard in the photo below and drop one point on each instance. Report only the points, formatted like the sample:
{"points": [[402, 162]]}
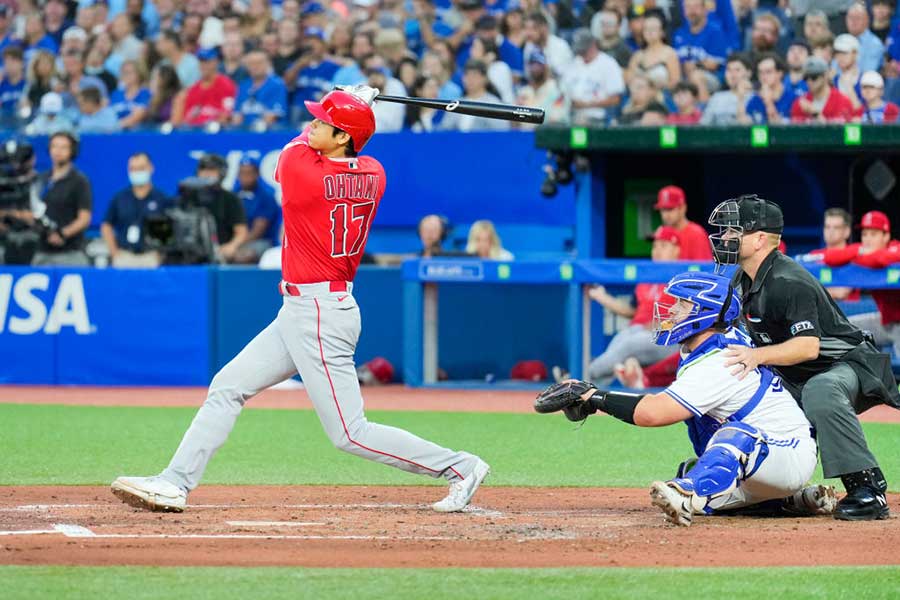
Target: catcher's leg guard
{"points": [[734, 453]]}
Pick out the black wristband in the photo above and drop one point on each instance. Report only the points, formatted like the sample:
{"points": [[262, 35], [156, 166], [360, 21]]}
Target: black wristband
{"points": [[616, 404]]}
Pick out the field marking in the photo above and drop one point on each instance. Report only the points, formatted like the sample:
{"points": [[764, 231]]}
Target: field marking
{"points": [[29, 532], [470, 510], [70, 530], [273, 523], [66, 529], [236, 536]]}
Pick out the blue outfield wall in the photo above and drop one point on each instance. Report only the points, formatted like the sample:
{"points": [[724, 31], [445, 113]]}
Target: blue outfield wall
{"points": [[177, 326]]}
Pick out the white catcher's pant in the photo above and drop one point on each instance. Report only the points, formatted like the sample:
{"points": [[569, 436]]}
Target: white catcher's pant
{"points": [[787, 469], [314, 334]]}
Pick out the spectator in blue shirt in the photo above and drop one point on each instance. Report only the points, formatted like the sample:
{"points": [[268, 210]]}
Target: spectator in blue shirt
{"points": [[262, 99], [131, 99], [488, 30], [7, 31], [263, 212], [55, 19], [849, 71], [123, 226], [433, 66], [360, 47], [94, 117], [871, 49], [12, 86], [311, 74], [36, 37], [772, 103], [233, 50], [797, 54], [702, 48]]}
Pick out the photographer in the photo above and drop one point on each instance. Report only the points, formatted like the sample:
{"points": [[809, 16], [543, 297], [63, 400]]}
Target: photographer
{"points": [[66, 192], [123, 225], [18, 235], [262, 211], [225, 207]]}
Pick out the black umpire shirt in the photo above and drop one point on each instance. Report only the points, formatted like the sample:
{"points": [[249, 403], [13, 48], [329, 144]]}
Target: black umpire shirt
{"points": [[64, 198], [786, 301]]}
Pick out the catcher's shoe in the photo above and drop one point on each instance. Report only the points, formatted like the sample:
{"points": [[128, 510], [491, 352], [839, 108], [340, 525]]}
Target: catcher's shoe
{"points": [[150, 493], [810, 501], [673, 502], [461, 492]]}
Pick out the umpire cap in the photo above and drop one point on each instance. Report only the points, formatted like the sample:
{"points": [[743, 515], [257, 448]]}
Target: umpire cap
{"points": [[752, 214]]}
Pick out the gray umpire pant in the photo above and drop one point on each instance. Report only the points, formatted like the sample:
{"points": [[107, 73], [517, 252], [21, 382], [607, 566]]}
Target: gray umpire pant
{"points": [[829, 400]]}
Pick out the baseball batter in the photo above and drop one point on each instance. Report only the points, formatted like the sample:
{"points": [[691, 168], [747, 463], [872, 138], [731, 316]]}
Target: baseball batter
{"points": [[753, 441], [330, 197]]}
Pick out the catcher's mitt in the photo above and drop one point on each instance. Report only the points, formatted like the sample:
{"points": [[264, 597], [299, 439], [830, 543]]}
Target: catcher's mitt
{"points": [[566, 396]]}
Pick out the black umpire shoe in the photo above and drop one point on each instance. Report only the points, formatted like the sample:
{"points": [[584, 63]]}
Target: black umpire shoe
{"points": [[865, 500]]}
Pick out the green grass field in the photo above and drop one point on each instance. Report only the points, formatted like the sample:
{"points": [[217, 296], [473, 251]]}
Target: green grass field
{"points": [[92, 445], [198, 583]]}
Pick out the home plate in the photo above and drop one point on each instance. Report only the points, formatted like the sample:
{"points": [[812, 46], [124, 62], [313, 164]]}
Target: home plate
{"points": [[272, 523]]}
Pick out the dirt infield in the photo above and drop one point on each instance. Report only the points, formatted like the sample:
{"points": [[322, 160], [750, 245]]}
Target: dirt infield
{"points": [[394, 527], [391, 397]]}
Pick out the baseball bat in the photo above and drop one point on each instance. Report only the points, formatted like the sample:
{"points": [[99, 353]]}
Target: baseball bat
{"points": [[506, 112]]}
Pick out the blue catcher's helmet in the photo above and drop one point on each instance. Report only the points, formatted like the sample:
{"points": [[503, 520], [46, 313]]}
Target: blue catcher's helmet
{"points": [[714, 302]]}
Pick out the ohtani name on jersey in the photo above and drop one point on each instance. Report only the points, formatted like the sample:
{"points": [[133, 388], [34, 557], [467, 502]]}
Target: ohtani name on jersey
{"points": [[350, 185]]}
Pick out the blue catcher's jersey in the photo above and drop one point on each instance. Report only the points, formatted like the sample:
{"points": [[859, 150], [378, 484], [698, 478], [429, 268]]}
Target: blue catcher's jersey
{"points": [[706, 387]]}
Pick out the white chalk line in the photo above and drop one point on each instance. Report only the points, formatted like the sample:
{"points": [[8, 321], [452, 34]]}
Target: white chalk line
{"points": [[67, 529], [273, 523], [471, 510]]}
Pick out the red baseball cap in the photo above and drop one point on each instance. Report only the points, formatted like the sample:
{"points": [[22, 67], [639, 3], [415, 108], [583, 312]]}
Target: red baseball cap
{"points": [[529, 370], [875, 219], [382, 369], [346, 112], [670, 196], [667, 234]]}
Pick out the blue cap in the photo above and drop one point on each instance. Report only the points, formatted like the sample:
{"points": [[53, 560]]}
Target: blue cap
{"points": [[316, 32], [208, 54], [538, 57], [251, 158], [313, 8]]}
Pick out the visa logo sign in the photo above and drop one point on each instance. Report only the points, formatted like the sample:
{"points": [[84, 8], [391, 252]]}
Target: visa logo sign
{"points": [[69, 308]]}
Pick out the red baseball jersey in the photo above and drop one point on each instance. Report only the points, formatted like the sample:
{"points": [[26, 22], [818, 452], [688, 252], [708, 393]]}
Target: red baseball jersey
{"points": [[205, 103], [646, 294], [328, 206], [694, 243]]}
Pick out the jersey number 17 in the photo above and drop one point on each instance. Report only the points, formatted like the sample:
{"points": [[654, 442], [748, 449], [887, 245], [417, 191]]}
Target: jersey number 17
{"points": [[342, 235]]}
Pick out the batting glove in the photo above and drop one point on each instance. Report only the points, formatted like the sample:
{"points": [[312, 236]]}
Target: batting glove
{"points": [[363, 92]]}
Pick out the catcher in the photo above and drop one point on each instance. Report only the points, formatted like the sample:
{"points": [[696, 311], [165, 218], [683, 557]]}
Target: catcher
{"points": [[753, 442]]}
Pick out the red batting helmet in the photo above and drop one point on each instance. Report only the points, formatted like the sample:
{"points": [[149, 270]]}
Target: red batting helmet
{"points": [[346, 112]]}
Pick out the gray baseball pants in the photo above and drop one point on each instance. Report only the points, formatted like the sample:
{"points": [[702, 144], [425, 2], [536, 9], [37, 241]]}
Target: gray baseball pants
{"points": [[314, 334], [634, 340]]}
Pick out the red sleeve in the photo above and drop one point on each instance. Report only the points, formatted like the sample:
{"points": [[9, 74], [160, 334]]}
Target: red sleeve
{"points": [[891, 112], [797, 114], [880, 258], [836, 257]]}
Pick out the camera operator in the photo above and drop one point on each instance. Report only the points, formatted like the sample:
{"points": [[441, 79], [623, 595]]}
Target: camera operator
{"points": [[225, 207], [18, 237], [123, 225], [262, 211], [66, 192]]}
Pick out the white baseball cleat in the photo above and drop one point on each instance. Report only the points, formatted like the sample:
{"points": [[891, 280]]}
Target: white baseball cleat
{"points": [[812, 500], [676, 505], [461, 492], [150, 493]]}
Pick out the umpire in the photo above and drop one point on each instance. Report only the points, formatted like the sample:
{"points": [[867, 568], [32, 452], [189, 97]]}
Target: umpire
{"points": [[823, 360]]}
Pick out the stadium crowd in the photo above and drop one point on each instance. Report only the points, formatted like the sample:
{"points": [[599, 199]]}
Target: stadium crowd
{"points": [[108, 65]]}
